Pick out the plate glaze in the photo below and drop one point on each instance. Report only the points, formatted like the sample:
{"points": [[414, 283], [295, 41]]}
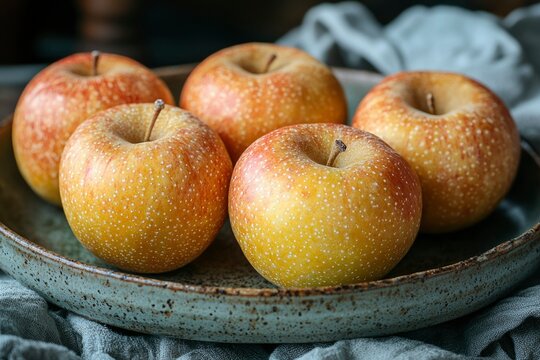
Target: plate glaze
{"points": [[219, 297]]}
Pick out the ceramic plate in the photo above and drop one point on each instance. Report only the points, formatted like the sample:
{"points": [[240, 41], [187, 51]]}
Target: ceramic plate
{"points": [[219, 297]]}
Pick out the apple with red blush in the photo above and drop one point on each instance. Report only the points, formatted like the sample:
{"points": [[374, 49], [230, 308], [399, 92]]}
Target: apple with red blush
{"points": [[61, 97]]}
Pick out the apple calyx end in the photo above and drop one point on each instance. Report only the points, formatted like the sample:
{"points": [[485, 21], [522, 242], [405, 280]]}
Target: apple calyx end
{"points": [[338, 148], [95, 60], [159, 105]]}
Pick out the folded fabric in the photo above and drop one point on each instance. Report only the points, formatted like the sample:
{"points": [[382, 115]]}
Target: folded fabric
{"points": [[502, 53]]}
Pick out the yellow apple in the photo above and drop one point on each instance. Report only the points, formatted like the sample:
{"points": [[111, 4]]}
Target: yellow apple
{"points": [[456, 134], [323, 204], [145, 193]]}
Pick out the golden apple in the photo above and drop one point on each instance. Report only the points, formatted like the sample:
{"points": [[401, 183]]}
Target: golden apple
{"points": [[145, 193], [456, 134], [323, 204]]}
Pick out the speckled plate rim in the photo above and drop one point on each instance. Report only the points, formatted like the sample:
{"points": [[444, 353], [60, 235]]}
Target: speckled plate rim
{"points": [[533, 234]]}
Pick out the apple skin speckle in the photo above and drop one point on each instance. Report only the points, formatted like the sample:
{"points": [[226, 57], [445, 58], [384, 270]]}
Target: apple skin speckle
{"points": [[60, 98], [466, 154], [235, 96], [145, 207], [301, 223]]}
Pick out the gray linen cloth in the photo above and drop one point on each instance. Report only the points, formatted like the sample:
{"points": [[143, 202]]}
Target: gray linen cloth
{"points": [[502, 53]]}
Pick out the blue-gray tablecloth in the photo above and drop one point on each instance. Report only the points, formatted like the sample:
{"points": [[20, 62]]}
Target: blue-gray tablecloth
{"points": [[502, 53]]}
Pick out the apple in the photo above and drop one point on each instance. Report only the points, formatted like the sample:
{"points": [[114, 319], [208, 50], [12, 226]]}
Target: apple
{"points": [[456, 134], [145, 193], [323, 204], [245, 91], [61, 97]]}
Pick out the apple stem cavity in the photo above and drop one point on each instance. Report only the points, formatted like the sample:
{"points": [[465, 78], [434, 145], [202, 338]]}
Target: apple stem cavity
{"points": [[271, 60], [430, 99], [158, 106], [339, 147], [95, 60]]}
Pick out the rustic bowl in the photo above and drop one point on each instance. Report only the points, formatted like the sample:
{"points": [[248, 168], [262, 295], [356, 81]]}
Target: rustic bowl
{"points": [[219, 297]]}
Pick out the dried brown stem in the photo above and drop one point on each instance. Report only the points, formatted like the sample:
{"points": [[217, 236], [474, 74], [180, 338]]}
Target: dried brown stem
{"points": [[271, 60], [339, 147], [430, 99], [95, 61], [158, 106]]}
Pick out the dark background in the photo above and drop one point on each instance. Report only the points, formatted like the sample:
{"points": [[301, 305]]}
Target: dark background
{"points": [[166, 32]]}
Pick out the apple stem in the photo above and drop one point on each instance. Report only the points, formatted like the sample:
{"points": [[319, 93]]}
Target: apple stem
{"points": [[430, 103], [95, 60], [272, 58], [158, 106], [339, 147]]}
